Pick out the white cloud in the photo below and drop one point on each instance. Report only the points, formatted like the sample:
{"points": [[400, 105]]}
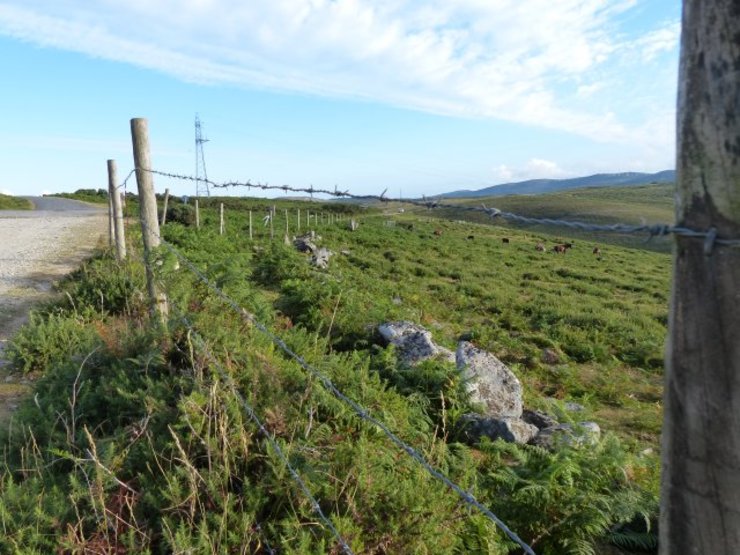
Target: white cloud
{"points": [[659, 41], [535, 168], [510, 59], [6, 192]]}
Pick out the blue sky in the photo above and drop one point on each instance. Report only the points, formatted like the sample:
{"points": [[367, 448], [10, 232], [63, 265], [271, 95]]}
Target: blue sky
{"points": [[420, 97]]}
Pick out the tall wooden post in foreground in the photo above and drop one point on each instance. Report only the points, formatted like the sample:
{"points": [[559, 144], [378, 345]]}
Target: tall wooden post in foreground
{"points": [[115, 198], [147, 209], [700, 490]]}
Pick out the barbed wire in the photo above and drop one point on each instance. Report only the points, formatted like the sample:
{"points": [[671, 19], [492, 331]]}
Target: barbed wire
{"points": [[224, 375], [652, 230], [363, 413]]}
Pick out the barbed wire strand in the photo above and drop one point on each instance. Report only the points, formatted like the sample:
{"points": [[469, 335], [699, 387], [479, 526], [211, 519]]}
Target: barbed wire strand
{"points": [[224, 375], [467, 497], [652, 230]]}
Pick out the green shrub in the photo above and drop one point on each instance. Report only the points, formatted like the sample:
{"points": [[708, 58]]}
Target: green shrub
{"points": [[181, 213], [49, 339]]}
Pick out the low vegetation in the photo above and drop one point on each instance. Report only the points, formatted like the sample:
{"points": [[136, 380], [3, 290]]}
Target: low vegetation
{"points": [[134, 441], [8, 202], [97, 196]]}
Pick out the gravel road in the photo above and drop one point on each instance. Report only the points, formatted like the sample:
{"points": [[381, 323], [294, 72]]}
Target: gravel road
{"points": [[37, 248]]}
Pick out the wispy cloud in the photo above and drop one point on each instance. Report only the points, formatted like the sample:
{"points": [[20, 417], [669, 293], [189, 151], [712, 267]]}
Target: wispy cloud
{"points": [[518, 60]]}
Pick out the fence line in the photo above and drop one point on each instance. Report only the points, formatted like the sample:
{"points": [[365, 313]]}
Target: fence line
{"points": [[653, 230], [360, 411]]}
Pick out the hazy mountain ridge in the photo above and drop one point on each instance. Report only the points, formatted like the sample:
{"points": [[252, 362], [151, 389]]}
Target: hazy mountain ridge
{"points": [[535, 186]]}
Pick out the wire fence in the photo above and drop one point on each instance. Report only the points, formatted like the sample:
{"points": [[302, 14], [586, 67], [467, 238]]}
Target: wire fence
{"points": [[709, 236], [359, 410], [650, 230]]}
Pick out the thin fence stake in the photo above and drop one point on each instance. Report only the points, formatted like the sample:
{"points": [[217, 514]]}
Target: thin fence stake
{"points": [[118, 228], [164, 207], [250, 225], [197, 215], [221, 220]]}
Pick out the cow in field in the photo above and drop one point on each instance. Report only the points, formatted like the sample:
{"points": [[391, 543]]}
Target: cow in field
{"points": [[438, 232], [560, 249], [505, 240], [597, 251], [540, 247]]}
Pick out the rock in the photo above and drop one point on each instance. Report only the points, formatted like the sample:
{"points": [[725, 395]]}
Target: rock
{"points": [[574, 407], [396, 300], [305, 243], [539, 419], [472, 427], [550, 356], [489, 381], [320, 258], [414, 343], [584, 433], [345, 252]]}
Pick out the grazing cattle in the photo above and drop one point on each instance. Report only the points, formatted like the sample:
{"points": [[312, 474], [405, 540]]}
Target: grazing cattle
{"points": [[562, 248], [597, 251], [471, 237], [540, 247], [505, 240], [438, 232]]}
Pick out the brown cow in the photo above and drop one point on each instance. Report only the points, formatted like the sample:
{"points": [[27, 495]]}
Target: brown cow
{"points": [[562, 248], [505, 240], [597, 251], [438, 232]]}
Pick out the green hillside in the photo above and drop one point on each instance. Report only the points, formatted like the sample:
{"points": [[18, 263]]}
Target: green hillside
{"points": [[134, 441], [635, 205], [8, 202]]}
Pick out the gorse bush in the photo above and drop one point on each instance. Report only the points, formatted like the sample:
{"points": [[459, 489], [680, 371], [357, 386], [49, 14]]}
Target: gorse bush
{"points": [[49, 339]]}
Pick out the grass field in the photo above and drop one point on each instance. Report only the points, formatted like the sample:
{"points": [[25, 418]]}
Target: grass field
{"points": [[636, 205], [14, 203], [146, 401]]}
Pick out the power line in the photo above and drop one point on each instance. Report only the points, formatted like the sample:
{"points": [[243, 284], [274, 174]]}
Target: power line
{"points": [[201, 177]]}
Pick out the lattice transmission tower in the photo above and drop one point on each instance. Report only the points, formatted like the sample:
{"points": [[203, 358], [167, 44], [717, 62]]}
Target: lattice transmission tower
{"points": [[201, 177]]}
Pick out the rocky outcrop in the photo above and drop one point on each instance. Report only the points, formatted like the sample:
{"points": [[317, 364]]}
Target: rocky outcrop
{"points": [[489, 382], [539, 419], [414, 343], [320, 258], [583, 433], [472, 427], [305, 243]]}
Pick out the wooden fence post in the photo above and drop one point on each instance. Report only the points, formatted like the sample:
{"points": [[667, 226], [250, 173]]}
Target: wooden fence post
{"points": [[164, 207], [147, 210], [197, 214], [118, 229], [287, 227], [221, 220], [700, 484], [111, 215], [298, 225], [250, 225]]}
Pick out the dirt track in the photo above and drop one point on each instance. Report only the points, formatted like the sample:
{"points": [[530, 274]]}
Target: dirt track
{"points": [[37, 248]]}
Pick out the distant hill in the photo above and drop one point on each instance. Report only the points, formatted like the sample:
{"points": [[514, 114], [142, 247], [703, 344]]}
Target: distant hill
{"points": [[536, 186]]}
